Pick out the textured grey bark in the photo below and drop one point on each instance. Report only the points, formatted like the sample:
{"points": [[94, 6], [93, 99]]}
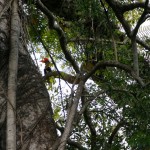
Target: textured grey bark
{"points": [[35, 126], [12, 78]]}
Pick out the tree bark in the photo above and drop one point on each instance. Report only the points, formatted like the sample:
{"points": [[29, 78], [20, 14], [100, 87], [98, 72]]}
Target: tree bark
{"points": [[35, 127], [135, 57], [12, 79], [71, 116]]}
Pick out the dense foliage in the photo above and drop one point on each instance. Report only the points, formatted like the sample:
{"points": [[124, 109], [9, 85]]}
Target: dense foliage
{"points": [[95, 39]]}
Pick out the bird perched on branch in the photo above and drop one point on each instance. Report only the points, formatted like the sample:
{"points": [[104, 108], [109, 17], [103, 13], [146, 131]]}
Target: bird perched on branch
{"points": [[47, 65]]}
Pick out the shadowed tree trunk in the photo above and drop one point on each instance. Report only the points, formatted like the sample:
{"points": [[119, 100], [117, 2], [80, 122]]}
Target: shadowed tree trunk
{"points": [[34, 123]]}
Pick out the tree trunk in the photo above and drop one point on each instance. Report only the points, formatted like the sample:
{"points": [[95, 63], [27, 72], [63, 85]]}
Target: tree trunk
{"points": [[135, 57], [35, 126], [12, 78]]}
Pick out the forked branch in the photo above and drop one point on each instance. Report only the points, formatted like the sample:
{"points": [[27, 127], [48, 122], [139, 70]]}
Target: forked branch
{"points": [[53, 24]]}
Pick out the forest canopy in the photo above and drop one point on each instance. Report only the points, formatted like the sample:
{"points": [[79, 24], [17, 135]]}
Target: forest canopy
{"points": [[100, 50], [87, 85]]}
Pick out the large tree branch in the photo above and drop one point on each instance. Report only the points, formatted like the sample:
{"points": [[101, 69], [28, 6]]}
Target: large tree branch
{"points": [[64, 76], [71, 116], [120, 9], [74, 80], [132, 6], [88, 120], [76, 144], [53, 24], [69, 141], [133, 39], [135, 55], [127, 7], [86, 100], [124, 67], [114, 132], [117, 8], [140, 21]]}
